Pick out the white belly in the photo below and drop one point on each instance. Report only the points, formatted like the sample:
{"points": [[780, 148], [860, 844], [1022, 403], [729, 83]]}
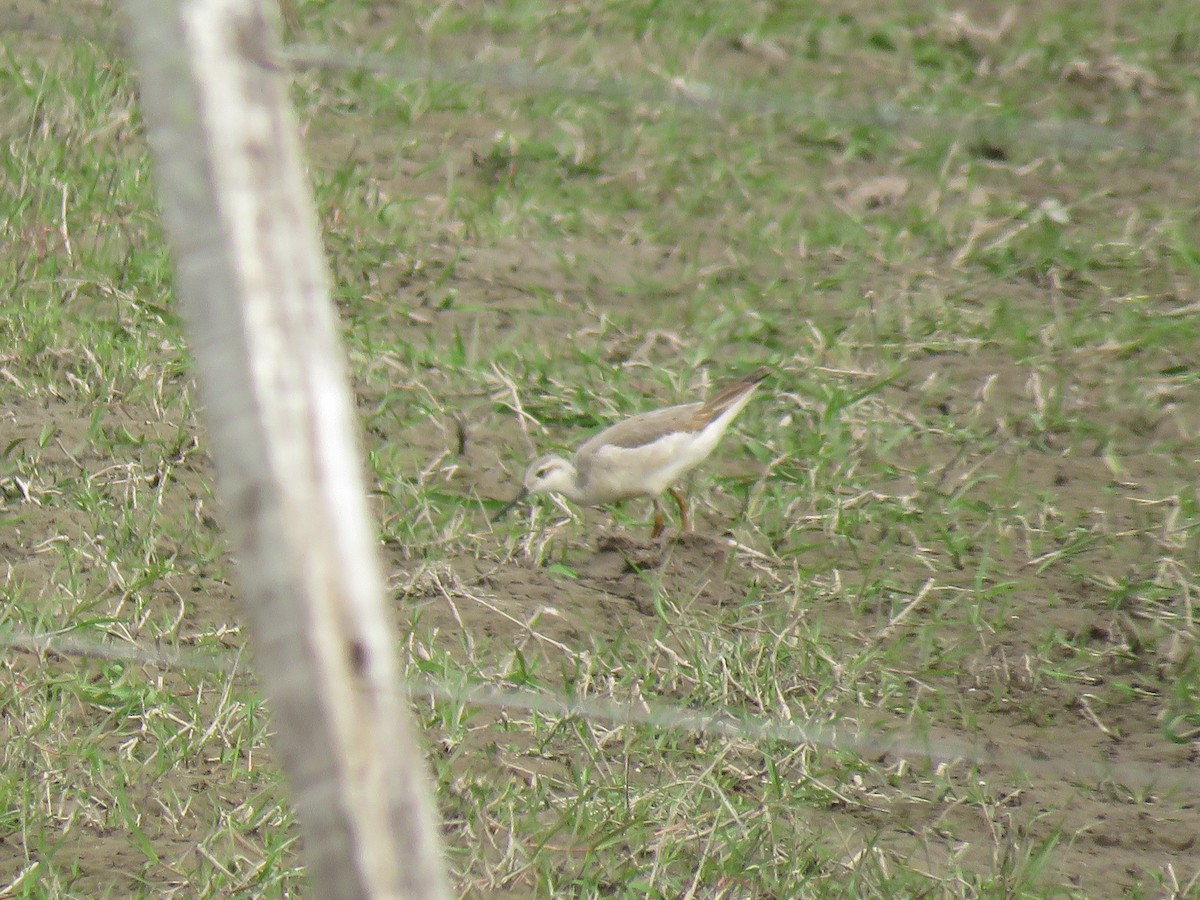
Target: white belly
{"points": [[619, 473]]}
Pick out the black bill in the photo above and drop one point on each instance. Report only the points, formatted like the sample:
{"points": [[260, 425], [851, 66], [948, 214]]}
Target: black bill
{"points": [[507, 507]]}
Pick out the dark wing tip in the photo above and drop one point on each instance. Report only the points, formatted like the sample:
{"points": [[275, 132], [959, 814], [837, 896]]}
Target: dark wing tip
{"points": [[759, 374], [727, 396], [736, 388]]}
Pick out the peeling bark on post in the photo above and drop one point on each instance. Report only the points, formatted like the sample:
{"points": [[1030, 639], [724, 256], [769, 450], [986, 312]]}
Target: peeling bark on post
{"points": [[255, 293]]}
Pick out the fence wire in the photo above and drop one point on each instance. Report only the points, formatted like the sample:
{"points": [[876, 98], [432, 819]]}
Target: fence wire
{"points": [[685, 95], [938, 749]]}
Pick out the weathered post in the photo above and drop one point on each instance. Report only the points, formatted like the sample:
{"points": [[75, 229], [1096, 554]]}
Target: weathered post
{"points": [[255, 293]]}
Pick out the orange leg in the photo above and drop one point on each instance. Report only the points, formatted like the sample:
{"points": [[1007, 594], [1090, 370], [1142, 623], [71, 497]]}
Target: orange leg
{"points": [[683, 508], [659, 520]]}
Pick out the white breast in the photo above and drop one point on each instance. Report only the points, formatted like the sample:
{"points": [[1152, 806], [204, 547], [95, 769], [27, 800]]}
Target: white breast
{"points": [[619, 473]]}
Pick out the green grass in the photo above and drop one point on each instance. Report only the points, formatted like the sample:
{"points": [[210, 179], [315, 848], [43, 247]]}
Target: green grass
{"points": [[964, 505]]}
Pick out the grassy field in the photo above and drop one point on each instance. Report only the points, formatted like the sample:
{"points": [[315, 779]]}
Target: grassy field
{"points": [[962, 513]]}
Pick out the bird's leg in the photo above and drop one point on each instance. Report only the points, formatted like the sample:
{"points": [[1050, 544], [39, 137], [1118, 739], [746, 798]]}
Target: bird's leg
{"points": [[659, 520], [683, 508]]}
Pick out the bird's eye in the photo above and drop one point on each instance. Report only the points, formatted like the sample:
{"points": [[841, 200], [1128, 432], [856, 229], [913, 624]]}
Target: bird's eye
{"points": [[541, 473]]}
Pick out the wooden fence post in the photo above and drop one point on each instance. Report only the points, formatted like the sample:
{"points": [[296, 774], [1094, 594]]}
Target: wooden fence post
{"points": [[255, 293]]}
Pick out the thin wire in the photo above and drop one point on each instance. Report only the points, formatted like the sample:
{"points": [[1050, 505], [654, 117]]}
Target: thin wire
{"points": [[938, 748], [1069, 135], [1066, 134]]}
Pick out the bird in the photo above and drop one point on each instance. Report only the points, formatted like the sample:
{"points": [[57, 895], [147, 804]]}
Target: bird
{"points": [[642, 456]]}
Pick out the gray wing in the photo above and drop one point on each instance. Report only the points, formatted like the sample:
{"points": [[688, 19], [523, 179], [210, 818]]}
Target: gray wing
{"points": [[641, 429]]}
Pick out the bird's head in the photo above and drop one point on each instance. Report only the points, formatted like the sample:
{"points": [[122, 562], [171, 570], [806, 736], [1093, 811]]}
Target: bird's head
{"points": [[549, 475], [546, 475]]}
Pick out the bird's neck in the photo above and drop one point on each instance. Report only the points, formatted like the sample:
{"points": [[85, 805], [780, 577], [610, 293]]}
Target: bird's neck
{"points": [[571, 488]]}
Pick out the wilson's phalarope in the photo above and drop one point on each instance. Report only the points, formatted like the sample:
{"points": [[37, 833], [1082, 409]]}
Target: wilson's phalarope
{"points": [[642, 456]]}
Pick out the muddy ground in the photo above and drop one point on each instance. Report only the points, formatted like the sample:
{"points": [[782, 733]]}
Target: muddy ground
{"points": [[1085, 758]]}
